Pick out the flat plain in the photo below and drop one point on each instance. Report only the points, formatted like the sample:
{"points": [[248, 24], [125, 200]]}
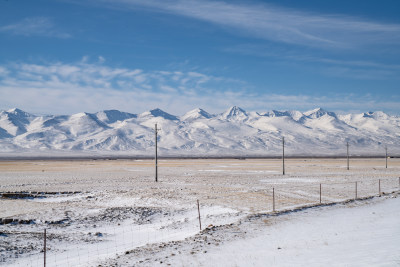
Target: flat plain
{"points": [[93, 196]]}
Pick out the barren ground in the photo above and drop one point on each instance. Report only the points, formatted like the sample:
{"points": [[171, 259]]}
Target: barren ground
{"points": [[89, 195]]}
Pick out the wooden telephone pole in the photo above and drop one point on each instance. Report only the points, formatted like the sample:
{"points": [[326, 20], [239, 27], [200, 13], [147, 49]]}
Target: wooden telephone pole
{"points": [[386, 156], [348, 161], [156, 156], [283, 155]]}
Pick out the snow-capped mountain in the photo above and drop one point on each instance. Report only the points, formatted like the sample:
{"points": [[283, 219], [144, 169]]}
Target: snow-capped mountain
{"points": [[196, 114], [234, 132], [234, 114], [111, 116]]}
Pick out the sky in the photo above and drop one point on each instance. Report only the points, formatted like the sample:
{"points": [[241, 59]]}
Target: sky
{"points": [[69, 56]]}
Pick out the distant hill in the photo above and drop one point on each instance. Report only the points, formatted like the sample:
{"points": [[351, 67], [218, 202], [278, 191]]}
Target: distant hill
{"points": [[234, 132]]}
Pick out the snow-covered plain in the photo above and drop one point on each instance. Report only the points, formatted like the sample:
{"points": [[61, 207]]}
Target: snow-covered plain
{"points": [[234, 132], [111, 212], [356, 234]]}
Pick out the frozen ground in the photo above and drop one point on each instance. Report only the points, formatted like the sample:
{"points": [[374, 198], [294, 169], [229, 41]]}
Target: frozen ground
{"points": [[111, 212], [362, 233]]}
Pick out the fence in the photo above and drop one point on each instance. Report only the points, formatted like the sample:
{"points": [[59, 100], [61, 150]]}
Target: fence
{"points": [[84, 244]]}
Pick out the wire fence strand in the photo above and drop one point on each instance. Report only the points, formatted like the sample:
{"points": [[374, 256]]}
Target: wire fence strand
{"points": [[85, 247]]}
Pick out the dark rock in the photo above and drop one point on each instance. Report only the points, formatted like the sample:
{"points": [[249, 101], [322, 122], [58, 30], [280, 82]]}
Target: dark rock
{"points": [[7, 221]]}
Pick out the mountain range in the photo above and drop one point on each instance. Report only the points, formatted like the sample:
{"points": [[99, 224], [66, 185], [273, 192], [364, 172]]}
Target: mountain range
{"points": [[234, 132]]}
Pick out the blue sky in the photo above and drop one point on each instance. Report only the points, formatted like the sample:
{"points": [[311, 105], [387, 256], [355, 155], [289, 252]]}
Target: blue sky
{"points": [[67, 56]]}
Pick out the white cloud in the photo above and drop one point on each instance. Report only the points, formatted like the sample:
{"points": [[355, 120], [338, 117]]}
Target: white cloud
{"points": [[169, 89], [36, 26], [339, 67], [85, 59], [277, 24], [68, 88], [101, 59], [3, 71]]}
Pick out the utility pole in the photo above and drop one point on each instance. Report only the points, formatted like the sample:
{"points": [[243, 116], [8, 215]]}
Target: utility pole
{"points": [[348, 161], [386, 156], [156, 158], [283, 155]]}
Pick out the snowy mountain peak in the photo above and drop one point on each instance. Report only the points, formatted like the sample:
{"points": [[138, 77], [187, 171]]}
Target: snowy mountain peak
{"points": [[79, 115], [275, 113], [197, 113], [318, 112], [295, 115], [235, 113], [111, 116], [368, 114], [234, 132], [377, 115], [380, 115], [159, 113], [13, 122], [19, 113]]}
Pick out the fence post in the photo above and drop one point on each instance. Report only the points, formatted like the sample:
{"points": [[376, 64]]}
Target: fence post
{"points": [[44, 249], [198, 209], [356, 190], [380, 187], [320, 193], [273, 199]]}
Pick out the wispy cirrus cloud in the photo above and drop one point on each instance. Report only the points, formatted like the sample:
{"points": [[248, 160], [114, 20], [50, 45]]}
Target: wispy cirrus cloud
{"points": [[275, 23], [3, 71], [35, 26], [339, 67], [92, 86], [62, 88], [84, 73]]}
